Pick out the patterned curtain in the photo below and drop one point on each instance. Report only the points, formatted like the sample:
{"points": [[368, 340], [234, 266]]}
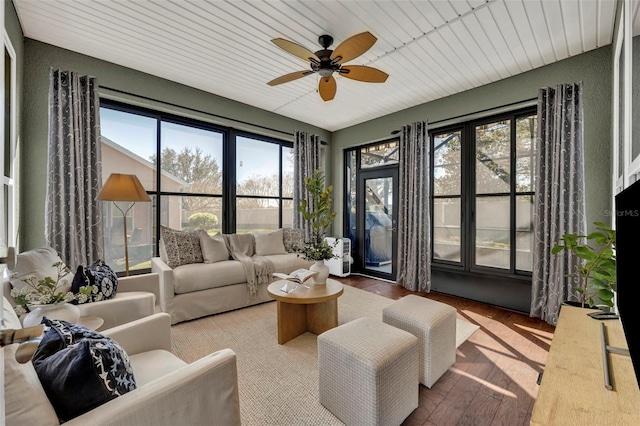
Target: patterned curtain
{"points": [[73, 216], [414, 227], [560, 200], [306, 159]]}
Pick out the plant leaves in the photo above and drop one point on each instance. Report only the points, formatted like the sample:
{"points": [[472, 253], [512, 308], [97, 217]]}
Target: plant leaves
{"points": [[605, 295], [607, 253], [594, 235], [598, 284], [602, 225], [584, 252]]}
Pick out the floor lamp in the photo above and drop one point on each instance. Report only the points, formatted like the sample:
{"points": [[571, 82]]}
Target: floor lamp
{"points": [[120, 187]]}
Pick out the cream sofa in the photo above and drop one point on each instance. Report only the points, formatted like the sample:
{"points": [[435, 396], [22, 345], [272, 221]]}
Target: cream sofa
{"points": [[169, 391], [200, 289]]}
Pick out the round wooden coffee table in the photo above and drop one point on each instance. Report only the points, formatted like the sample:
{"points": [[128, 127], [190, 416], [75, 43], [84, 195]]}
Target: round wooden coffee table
{"points": [[311, 308]]}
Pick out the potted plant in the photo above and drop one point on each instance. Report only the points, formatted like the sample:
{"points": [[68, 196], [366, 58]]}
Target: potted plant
{"points": [[318, 213], [46, 297], [597, 274]]}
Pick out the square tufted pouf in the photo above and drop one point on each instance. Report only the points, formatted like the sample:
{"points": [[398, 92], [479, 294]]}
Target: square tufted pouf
{"points": [[368, 372], [434, 324]]}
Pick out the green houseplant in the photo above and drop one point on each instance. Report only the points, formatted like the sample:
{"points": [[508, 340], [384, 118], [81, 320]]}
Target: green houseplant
{"points": [[319, 214], [597, 273]]}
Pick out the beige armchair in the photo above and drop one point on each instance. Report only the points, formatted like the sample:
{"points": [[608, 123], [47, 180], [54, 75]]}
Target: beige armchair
{"points": [[169, 391], [137, 297]]}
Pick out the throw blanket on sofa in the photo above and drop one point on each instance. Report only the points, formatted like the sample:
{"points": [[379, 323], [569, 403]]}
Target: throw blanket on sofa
{"points": [[258, 269]]}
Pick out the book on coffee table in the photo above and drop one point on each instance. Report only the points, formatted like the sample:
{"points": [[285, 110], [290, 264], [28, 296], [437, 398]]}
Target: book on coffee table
{"points": [[298, 276]]}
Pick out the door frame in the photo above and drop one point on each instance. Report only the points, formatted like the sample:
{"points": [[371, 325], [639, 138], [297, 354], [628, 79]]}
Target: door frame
{"points": [[381, 172]]}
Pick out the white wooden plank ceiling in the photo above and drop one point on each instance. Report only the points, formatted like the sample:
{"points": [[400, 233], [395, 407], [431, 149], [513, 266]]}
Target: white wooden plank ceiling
{"points": [[430, 49]]}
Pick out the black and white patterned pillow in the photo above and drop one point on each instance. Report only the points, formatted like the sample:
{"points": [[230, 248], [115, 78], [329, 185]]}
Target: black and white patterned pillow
{"points": [[292, 238], [98, 274], [80, 369], [182, 247]]}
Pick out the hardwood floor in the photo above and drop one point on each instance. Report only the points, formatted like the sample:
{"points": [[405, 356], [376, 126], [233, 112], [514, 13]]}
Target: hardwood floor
{"points": [[493, 381]]}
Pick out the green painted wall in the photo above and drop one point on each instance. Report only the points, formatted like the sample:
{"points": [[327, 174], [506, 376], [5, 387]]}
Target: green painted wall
{"points": [[593, 68], [16, 38], [39, 57]]}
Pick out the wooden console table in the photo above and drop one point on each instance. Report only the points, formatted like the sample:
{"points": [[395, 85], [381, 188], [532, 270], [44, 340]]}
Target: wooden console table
{"points": [[572, 390]]}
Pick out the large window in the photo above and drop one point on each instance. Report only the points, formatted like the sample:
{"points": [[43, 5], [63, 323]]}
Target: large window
{"points": [[483, 194], [264, 185], [209, 177], [191, 177], [447, 196]]}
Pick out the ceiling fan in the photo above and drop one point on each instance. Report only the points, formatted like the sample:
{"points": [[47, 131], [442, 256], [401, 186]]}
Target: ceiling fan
{"points": [[326, 61]]}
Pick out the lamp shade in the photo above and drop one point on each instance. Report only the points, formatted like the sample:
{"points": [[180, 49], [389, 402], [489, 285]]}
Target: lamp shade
{"points": [[120, 187]]}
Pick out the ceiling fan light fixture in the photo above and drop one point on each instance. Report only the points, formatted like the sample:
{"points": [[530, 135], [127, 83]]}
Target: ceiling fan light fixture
{"points": [[325, 72], [325, 62]]}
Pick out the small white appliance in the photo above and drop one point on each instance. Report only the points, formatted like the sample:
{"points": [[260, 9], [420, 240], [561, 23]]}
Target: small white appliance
{"points": [[340, 266]]}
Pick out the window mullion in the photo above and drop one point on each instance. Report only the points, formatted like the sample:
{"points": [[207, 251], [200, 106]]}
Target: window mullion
{"points": [[280, 187], [229, 182], [158, 206], [512, 198], [469, 194]]}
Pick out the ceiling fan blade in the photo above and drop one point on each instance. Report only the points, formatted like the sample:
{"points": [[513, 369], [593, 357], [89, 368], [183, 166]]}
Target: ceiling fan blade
{"points": [[363, 73], [295, 49], [327, 88], [289, 77], [353, 47]]}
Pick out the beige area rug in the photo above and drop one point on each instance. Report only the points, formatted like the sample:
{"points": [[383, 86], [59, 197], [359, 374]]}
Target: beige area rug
{"points": [[277, 383]]}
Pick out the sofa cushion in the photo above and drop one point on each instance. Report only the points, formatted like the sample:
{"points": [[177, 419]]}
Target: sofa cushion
{"points": [[98, 274], [271, 243], [80, 369], [291, 238], [25, 402], [151, 365], [38, 263], [214, 249], [286, 263], [182, 247], [241, 243], [202, 276], [9, 316]]}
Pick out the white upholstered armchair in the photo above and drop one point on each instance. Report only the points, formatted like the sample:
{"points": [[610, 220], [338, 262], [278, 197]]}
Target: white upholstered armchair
{"points": [[169, 391], [136, 296]]}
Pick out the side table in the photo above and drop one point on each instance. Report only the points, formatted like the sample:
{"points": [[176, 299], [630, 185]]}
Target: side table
{"points": [[91, 322]]}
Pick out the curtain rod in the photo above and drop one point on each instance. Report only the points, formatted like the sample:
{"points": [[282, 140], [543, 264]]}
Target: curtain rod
{"points": [[486, 110], [201, 112], [477, 114]]}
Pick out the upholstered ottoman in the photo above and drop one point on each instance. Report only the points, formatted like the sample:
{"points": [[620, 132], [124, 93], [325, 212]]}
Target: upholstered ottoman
{"points": [[368, 372], [434, 324]]}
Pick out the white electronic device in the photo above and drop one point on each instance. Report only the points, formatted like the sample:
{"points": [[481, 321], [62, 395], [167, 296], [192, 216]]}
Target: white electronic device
{"points": [[340, 266]]}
